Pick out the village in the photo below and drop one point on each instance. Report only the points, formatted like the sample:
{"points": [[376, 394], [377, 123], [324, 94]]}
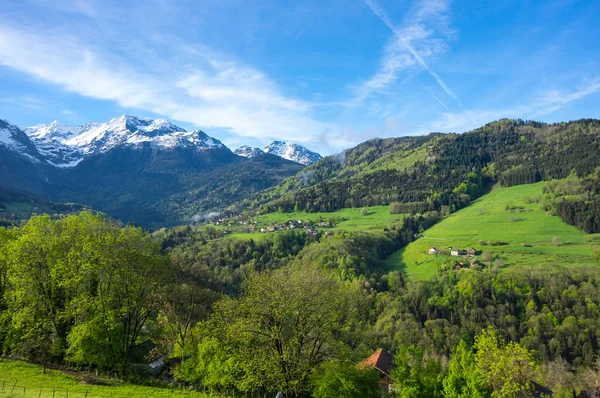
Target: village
{"points": [[241, 224], [468, 255]]}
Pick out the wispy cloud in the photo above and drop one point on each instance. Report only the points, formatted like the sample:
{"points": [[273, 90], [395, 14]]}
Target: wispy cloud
{"points": [[540, 104], [27, 102], [421, 35], [208, 90], [553, 100]]}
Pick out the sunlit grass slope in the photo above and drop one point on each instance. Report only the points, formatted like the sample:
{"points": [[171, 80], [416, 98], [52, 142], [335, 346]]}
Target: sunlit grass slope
{"points": [[525, 235]]}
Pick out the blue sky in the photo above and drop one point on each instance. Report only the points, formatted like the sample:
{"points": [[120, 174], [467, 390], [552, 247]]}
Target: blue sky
{"points": [[326, 74]]}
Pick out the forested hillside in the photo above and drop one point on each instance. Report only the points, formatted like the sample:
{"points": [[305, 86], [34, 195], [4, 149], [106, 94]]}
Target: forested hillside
{"points": [[428, 173]]}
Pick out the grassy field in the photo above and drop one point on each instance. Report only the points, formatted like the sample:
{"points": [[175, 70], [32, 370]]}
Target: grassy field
{"points": [[377, 218], [22, 375], [526, 235]]}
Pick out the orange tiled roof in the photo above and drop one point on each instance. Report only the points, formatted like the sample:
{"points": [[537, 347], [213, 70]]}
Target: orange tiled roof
{"points": [[380, 360]]}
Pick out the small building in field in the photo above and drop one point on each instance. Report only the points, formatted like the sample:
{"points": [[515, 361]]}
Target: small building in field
{"points": [[471, 252], [271, 228], [433, 250], [454, 252], [383, 361], [251, 228]]}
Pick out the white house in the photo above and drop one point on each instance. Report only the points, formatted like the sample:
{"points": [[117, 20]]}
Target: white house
{"points": [[433, 250], [454, 252]]}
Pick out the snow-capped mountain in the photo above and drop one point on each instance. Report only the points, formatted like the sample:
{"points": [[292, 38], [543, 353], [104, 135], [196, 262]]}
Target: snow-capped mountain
{"points": [[15, 140], [247, 151], [66, 146], [294, 152], [50, 140], [22, 166]]}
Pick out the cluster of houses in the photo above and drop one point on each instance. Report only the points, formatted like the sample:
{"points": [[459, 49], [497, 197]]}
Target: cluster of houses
{"points": [[467, 254], [453, 251], [311, 227]]}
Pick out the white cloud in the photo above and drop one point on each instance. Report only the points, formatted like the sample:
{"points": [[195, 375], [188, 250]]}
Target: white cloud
{"points": [[211, 93]]}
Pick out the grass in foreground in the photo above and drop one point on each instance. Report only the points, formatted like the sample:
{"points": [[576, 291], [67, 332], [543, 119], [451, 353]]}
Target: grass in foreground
{"points": [[526, 235], [31, 377]]}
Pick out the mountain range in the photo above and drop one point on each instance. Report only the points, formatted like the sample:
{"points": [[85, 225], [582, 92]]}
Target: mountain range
{"points": [[287, 150], [146, 171]]}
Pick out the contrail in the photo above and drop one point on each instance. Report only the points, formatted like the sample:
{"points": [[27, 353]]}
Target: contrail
{"points": [[386, 20], [436, 98]]}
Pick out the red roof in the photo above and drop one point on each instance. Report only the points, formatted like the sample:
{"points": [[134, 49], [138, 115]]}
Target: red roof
{"points": [[380, 360]]}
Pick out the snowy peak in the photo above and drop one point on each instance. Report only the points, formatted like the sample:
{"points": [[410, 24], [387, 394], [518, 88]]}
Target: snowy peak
{"points": [[50, 140], [248, 152], [66, 146], [100, 137], [54, 131], [294, 152], [14, 139]]}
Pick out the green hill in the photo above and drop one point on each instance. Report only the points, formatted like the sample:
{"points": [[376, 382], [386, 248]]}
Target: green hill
{"points": [[439, 172], [511, 219]]}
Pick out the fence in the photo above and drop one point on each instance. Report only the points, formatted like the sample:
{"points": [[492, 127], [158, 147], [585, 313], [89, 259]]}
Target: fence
{"points": [[12, 388]]}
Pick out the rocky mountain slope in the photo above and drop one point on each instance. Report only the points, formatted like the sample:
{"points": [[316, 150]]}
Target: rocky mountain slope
{"points": [[294, 152], [145, 171]]}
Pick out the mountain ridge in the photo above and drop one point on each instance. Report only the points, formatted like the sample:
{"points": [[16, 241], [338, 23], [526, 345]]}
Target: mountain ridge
{"points": [[65, 146]]}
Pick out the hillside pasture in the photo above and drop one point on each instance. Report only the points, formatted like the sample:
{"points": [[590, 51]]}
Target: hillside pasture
{"points": [[509, 225]]}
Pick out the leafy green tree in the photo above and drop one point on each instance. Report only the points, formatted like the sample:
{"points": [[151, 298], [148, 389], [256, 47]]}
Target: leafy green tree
{"points": [[340, 380], [6, 236], [44, 263], [463, 380], [182, 305], [285, 324], [123, 279], [416, 376], [509, 369]]}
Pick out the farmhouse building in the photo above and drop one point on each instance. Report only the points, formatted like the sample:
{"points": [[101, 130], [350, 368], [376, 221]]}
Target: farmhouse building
{"points": [[383, 361]]}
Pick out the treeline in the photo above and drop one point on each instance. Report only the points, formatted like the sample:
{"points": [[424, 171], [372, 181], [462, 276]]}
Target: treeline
{"points": [[576, 200], [427, 185], [221, 264]]}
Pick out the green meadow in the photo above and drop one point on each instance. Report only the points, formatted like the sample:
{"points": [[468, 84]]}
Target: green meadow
{"points": [[523, 235], [20, 379], [377, 218]]}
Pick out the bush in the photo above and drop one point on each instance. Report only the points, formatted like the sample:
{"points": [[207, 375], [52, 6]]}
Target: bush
{"points": [[364, 211]]}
